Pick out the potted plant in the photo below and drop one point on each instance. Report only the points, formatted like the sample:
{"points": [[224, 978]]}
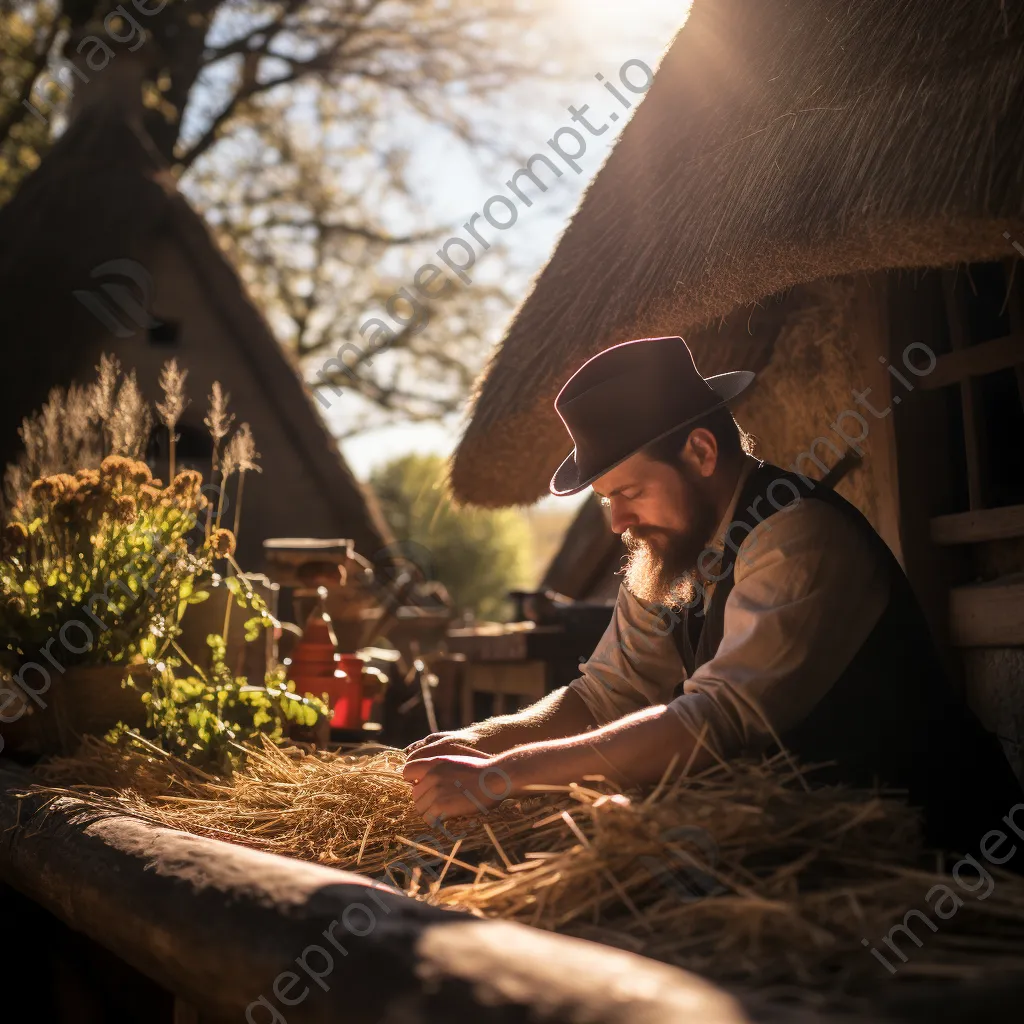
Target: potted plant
{"points": [[94, 569], [100, 562]]}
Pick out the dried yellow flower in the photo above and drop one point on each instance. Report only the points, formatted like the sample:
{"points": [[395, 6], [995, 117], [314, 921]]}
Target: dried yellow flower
{"points": [[60, 487], [116, 469], [222, 543], [187, 485], [125, 509], [148, 496], [88, 477]]}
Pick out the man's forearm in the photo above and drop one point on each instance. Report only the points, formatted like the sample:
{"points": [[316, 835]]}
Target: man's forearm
{"points": [[634, 751], [559, 714]]}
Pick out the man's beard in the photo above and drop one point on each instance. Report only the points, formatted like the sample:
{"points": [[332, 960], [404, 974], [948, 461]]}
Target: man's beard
{"points": [[662, 564]]}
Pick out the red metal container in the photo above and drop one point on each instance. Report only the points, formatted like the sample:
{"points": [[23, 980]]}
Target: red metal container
{"points": [[314, 660], [351, 709]]}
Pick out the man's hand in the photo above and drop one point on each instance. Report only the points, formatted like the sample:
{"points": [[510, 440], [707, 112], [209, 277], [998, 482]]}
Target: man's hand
{"points": [[447, 787], [633, 751], [461, 741]]}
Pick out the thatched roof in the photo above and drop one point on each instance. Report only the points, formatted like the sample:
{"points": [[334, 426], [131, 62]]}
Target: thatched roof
{"points": [[103, 193], [782, 141]]}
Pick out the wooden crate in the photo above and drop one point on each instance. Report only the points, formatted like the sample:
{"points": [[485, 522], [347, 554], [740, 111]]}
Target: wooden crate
{"points": [[511, 685]]}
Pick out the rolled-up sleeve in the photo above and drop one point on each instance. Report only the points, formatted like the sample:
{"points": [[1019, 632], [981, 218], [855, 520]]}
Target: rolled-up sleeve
{"points": [[809, 588], [634, 665]]}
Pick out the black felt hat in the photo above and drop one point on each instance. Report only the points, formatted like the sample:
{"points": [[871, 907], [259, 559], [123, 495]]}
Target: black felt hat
{"points": [[629, 396]]}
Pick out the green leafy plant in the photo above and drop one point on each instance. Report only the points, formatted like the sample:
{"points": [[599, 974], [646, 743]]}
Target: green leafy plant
{"points": [[96, 567], [95, 562], [208, 717]]}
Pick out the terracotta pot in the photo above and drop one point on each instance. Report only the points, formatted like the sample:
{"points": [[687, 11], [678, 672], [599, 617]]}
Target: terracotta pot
{"points": [[83, 700]]}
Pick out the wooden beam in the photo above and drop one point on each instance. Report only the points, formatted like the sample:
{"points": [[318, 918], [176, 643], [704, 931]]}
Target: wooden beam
{"points": [[223, 927], [974, 361], [924, 436], [979, 526], [988, 614], [956, 317]]}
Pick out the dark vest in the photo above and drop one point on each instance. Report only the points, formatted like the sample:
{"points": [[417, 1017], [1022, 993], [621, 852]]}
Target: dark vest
{"points": [[892, 717]]}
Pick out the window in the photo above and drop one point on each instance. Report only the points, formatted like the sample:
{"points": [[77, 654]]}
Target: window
{"points": [[165, 333]]}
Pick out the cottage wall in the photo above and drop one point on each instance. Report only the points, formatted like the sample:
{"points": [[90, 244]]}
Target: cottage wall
{"points": [[802, 403], [830, 345]]}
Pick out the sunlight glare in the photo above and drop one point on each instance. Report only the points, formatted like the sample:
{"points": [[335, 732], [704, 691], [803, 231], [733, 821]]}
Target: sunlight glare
{"points": [[604, 21]]}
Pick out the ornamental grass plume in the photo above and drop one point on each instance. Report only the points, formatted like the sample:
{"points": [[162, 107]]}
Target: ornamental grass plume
{"points": [[172, 383], [78, 426], [59, 438], [242, 449], [72, 430], [104, 395], [228, 465], [218, 421], [131, 420], [81, 444]]}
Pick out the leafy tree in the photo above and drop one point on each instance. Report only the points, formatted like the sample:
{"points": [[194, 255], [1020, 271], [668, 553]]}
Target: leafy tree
{"points": [[27, 34], [478, 554], [289, 122]]}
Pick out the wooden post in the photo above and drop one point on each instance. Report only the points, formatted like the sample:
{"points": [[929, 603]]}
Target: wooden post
{"points": [[1014, 308], [956, 318], [924, 440]]}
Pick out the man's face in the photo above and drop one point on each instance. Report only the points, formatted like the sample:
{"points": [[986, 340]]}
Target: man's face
{"points": [[666, 516]]}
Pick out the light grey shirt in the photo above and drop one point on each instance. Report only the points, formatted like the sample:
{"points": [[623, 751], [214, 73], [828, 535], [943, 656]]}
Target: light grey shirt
{"points": [[808, 590]]}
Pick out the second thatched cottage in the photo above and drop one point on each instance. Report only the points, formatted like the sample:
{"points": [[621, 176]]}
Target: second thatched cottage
{"points": [[102, 253]]}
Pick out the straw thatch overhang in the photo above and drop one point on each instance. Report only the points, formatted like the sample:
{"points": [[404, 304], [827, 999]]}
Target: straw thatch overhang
{"points": [[103, 193], [782, 141]]}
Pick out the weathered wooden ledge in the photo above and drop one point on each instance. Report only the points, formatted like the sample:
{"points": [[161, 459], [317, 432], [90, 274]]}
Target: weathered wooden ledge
{"points": [[246, 936], [236, 932]]}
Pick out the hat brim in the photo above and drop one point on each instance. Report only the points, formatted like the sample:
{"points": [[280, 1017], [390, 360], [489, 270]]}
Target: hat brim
{"points": [[726, 386]]}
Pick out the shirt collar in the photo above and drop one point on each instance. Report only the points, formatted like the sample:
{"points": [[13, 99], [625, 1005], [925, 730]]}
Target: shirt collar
{"points": [[718, 543]]}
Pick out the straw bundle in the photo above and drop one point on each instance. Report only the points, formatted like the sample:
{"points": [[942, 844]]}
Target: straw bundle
{"points": [[742, 873]]}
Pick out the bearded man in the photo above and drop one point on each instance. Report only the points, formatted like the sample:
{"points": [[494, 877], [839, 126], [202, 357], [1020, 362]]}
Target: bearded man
{"points": [[759, 610]]}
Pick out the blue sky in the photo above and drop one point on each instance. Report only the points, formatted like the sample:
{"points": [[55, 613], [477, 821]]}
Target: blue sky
{"points": [[452, 184]]}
